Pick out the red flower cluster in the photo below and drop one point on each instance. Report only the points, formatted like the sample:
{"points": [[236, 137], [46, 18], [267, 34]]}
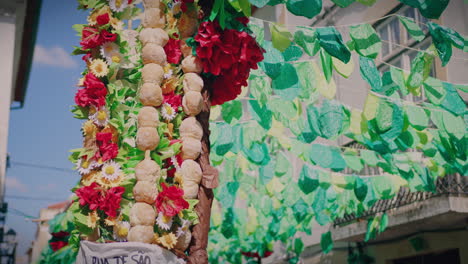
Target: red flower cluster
{"points": [[103, 19], [96, 198], [94, 92], [183, 7], [107, 149], [93, 37], [256, 255], [175, 100], [230, 54], [56, 245], [173, 52], [171, 201]]}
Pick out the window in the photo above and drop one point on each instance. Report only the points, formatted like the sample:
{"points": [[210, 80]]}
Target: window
{"points": [[451, 256], [395, 39]]}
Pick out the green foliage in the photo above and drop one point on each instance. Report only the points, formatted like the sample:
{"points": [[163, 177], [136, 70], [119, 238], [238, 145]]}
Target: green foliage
{"points": [[306, 8], [366, 41]]}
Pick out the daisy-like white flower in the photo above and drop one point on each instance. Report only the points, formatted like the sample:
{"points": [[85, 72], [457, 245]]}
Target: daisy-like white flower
{"points": [[164, 222], [108, 49], [168, 71], [85, 166], [184, 228], [168, 112], [111, 170], [101, 117], [168, 240], [99, 68], [118, 5], [121, 231]]}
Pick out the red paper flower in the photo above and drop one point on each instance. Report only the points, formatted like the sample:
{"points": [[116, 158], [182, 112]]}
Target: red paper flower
{"points": [[256, 255], [175, 100], [229, 54], [107, 36], [103, 19], [183, 7], [90, 38], [243, 20], [94, 92], [61, 234], [170, 201], [90, 195], [56, 245], [107, 149], [111, 202], [173, 52]]}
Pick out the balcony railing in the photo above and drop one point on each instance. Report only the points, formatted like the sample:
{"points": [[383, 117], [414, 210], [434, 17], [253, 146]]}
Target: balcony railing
{"points": [[450, 185]]}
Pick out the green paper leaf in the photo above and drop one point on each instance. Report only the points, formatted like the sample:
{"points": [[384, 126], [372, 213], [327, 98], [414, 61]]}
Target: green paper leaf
{"points": [[452, 100], [307, 79], [367, 2], [245, 6], [360, 189], [308, 180], [327, 157], [330, 40], [306, 38], [280, 36], [305, 8], [428, 8], [225, 140], [366, 41], [259, 3], [370, 73], [331, 119], [287, 83], [326, 242], [420, 69], [434, 90], [413, 29], [262, 114], [292, 53], [327, 65], [353, 161], [443, 46], [282, 165], [231, 111], [455, 125], [272, 61], [343, 3], [369, 157], [417, 117], [344, 69]]}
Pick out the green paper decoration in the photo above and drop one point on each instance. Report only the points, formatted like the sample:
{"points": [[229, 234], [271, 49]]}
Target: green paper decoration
{"points": [[327, 157], [287, 83], [330, 40], [370, 73], [307, 39], [366, 41], [280, 37], [412, 28], [428, 8], [306, 8], [326, 242]]}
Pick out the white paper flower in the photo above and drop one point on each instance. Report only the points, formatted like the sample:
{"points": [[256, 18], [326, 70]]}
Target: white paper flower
{"points": [[85, 166], [121, 231], [118, 5], [111, 170], [184, 228], [130, 36], [99, 68], [100, 117], [164, 222], [168, 112]]}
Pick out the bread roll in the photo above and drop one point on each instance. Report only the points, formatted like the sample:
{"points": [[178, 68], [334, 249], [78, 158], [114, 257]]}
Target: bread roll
{"points": [[154, 35], [190, 190], [142, 214], [140, 233], [192, 64], [192, 102], [145, 192], [192, 82], [147, 138], [191, 128], [148, 117], [154, 18], [151, 94], [152, 73], [152, 53], [147, 170], [191, 171], [183, 241], [191, 149]]}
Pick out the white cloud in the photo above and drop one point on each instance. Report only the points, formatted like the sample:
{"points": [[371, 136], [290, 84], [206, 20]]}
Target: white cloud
{"points": [[14, 183], [53, 56]]}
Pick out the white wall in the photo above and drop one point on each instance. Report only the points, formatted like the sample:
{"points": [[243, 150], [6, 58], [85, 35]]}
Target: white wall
{"points": [[7, 45]]}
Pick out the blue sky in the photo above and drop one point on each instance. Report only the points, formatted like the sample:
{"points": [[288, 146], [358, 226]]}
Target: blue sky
{"points": [[44, 130]]}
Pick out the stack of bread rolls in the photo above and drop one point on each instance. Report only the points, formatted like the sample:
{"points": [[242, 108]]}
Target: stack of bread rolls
{"points": [[147, 172]]}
